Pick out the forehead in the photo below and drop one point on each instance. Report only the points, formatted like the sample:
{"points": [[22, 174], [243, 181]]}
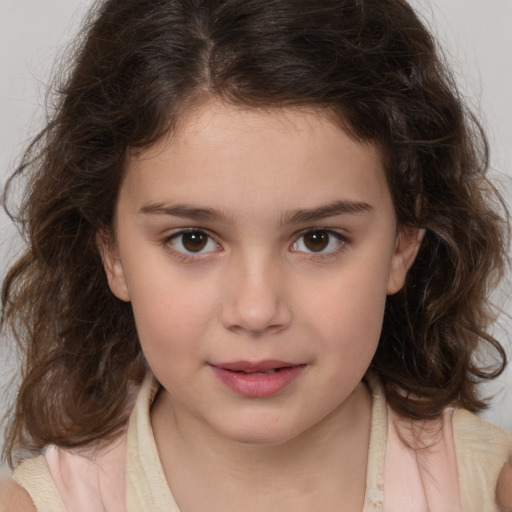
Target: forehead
{"points": [[217, 120], [227, 155]]}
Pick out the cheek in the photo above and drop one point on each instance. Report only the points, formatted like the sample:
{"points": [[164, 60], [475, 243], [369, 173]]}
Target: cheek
{"points": [[171, 314], [348, 312], [353, 298]]}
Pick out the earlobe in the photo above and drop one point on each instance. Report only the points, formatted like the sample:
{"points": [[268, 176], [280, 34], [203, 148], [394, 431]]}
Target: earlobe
{"points": [[112, 265], [408, 244]]}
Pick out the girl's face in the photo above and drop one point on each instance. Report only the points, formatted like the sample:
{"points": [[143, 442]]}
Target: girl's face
{"points": [[257, 248]]}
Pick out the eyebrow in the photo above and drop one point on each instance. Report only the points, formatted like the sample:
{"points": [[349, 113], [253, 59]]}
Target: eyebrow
{"points": [[298, 216], [183, 211], [329, 210]]}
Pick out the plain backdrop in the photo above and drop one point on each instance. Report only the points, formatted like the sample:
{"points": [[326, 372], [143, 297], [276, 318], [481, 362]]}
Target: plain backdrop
{"points": [[475, 34]]}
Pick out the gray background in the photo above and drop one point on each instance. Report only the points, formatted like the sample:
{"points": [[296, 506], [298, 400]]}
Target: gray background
{"points": [[475, 34]]}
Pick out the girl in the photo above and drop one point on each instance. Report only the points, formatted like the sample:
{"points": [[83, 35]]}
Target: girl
{"points": [[260, 248]]}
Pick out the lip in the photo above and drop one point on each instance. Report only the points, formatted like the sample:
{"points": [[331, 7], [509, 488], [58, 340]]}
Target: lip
{"points": [[257, 379]]}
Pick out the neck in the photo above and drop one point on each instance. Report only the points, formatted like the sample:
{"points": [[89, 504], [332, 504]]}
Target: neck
{"points": [[327, 460]]}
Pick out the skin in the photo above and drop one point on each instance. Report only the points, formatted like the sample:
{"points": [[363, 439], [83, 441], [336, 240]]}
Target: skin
{"points": [[504, 487], [13, 498], [252, 181]]}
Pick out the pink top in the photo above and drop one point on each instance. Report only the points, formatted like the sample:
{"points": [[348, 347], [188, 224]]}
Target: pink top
{"points": [[447, 473], [421, 480]]}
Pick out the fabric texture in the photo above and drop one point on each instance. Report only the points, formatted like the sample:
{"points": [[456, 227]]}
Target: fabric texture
{"points": [[454, 466]]}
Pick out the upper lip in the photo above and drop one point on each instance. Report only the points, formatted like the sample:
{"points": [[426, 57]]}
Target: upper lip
{"points": [[256, 366]]}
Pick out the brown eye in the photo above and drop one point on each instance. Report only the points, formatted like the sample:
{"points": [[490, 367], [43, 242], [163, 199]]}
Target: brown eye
{"points": [[316, 241], [319, 241], [193, 241]]}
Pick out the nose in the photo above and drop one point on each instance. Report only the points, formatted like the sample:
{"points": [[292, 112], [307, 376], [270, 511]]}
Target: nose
{"points": [[255, 302]]}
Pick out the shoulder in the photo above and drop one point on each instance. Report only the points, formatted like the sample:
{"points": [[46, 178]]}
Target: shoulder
{"points": [[13, 498], [479, 437], [34, 476], [504, 487], [484, 457]]}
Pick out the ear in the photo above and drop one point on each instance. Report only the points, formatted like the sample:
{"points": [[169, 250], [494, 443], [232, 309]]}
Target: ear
{"points": [[112, 265], [408, 242]]}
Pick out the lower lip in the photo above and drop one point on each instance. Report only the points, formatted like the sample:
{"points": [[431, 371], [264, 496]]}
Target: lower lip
{"points": [[258, 385]]}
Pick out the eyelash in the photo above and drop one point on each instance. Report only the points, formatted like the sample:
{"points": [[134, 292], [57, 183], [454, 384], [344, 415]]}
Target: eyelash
{"points": [[192, 256], [341, 240], [188, 256]]}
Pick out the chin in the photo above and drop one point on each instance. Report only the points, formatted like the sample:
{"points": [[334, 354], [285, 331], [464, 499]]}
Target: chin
{"points": [[258, 432], [259, 439]]}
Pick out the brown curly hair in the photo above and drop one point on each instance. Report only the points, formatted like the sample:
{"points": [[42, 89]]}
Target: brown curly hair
{"points": [[138, 66]]}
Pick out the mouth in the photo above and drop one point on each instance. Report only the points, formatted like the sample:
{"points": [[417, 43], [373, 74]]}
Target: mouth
{"points": [[266, 372], [257, 379], [270, 365]]}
